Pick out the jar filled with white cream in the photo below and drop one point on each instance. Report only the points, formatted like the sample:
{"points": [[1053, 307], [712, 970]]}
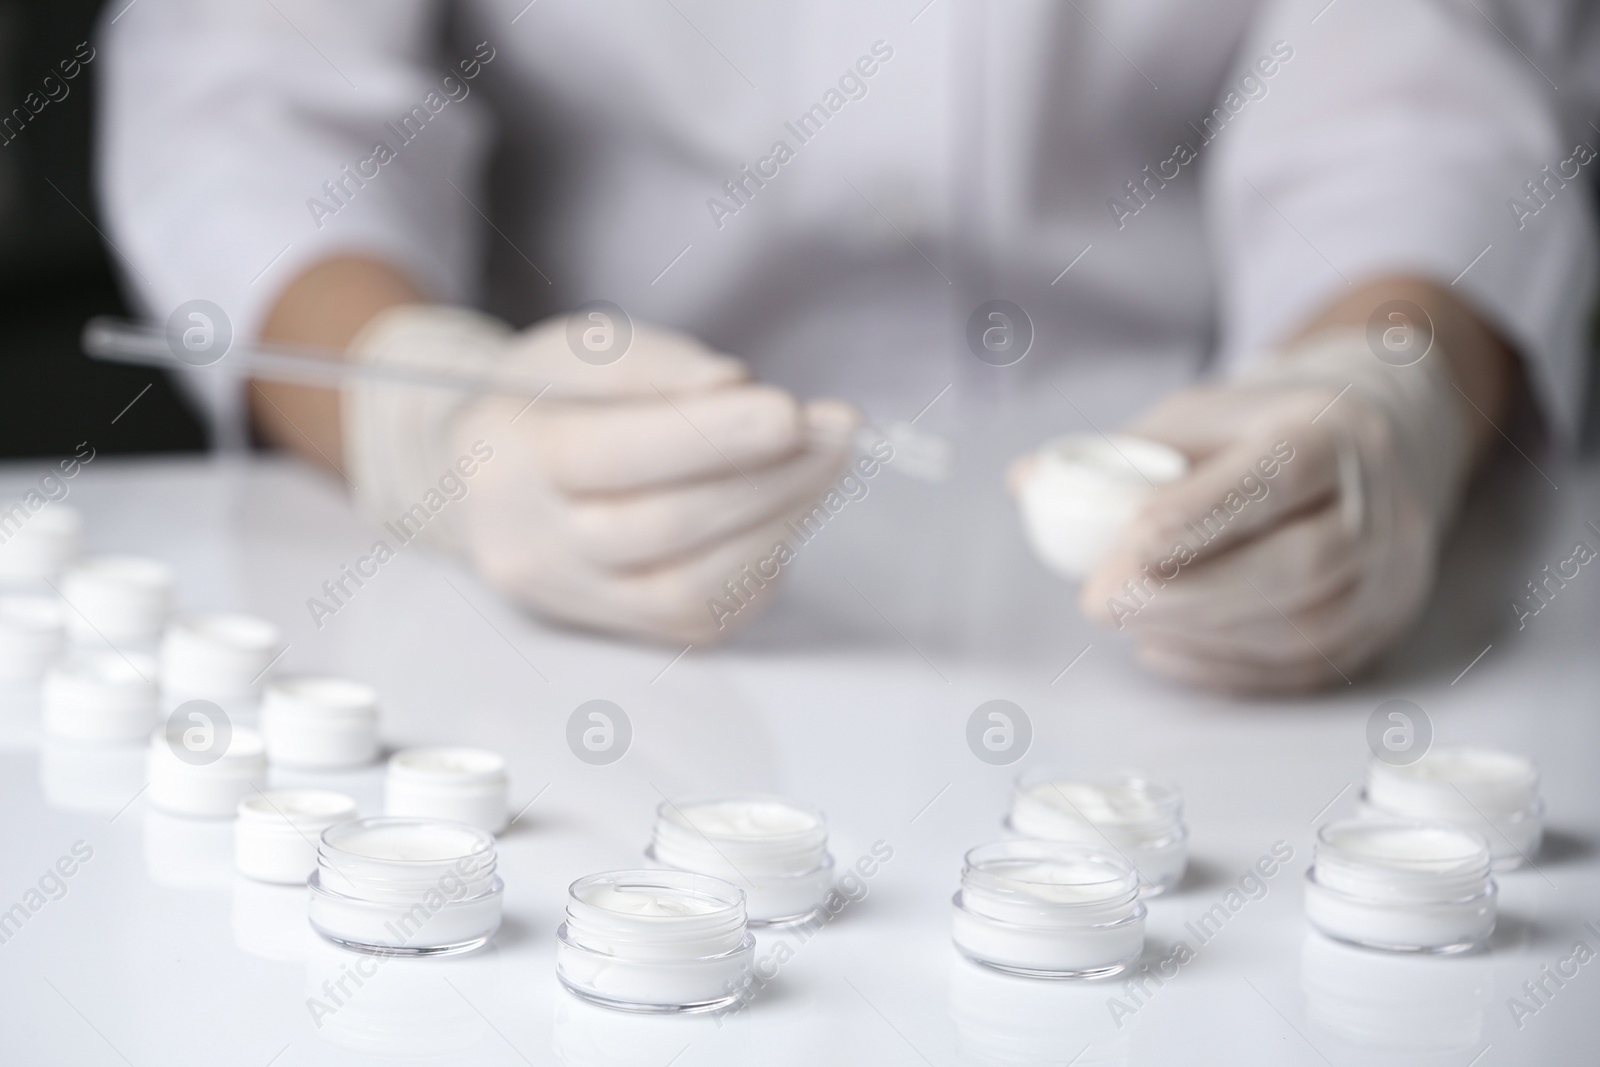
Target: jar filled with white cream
{"points": [[1125, 813], [1491, 792], [1401, 885], [1049, 909], [100, 697], [655, 941], [31, 629], [320, 723], [278, 831], [121, 599], [456, 784], [1077, 492], [189, 779], [412, 887], [217, 657], [775, 850]]}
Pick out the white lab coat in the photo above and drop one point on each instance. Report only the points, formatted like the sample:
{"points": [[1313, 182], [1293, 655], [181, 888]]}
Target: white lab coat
{"points": [[1139, 175]]}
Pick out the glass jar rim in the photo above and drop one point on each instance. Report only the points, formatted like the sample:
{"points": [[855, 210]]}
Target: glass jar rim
{"points": [[1166, 796], [729, 898], [482, 840], [982, 867], [1334, 840]]}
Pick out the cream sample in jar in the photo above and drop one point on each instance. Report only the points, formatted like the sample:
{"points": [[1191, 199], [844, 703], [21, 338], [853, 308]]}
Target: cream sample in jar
{"points": [[1491, 792], [101, 697], [456, 784], [416, 887], [1048, 909], [1079, 491], [275, 837], [1401, 885], [123, 599], [775, 850], [1125, 813], [655, 941], [321, 723]]}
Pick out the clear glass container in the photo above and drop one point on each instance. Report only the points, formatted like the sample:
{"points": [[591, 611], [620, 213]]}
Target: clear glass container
{"points": [[1402, 886], [1049, 909], [410, 887], [775, 850], [1485, 790], [1123, 812], [659, 941]]}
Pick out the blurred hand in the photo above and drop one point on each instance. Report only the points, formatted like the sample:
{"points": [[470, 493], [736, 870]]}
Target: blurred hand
{"points": [[1304, 540], [633, 493]]}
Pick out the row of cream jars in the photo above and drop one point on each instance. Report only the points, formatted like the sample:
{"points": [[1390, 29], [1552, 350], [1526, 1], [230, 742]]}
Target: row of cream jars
{"points": [[1401, 885], [1048, 909], [775, 850], [1127, 814], [1491, 792], [1077, 493], [406, 886], [660, 941]]}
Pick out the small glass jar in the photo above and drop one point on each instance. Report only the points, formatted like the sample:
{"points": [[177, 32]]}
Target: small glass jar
{"points": [[217, 657], [409, 887], [34, 553], [276, 837], [1491, 792], [100, 697], [455, 784], [775, 850], [1402, 886], [1049, 909], [30, 636], [122, 599], [212, 786], [655, 941], [320, 723], [1140, 819], [1082, 489]]}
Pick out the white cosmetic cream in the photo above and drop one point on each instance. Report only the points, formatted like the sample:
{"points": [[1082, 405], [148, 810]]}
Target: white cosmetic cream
{"points": [[206, 789], [773, 849], [1140, 819], [216, 657], [36, 551], [454, 784], [100, 697], [655, 941], [30, 636], [1049, 909], [122, 599], [277, 832], [1486, 790], [320, 723], [400, 886], [1082, 490], [1402, 886]]}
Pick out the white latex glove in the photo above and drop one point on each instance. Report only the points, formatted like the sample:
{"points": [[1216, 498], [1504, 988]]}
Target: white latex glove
{"points": [[625, 498], [1302, 578]]}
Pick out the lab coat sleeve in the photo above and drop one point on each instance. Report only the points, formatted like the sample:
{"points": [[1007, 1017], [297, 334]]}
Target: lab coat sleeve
{"points": [[1400, 137], [240, 143]]}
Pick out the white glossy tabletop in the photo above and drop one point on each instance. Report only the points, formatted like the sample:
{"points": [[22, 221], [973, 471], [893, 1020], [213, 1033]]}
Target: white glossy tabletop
{"points": [[916, 605]]}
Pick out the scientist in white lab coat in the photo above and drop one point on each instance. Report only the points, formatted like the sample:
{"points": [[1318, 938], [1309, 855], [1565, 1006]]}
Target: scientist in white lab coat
{"points": [[826, 190]]}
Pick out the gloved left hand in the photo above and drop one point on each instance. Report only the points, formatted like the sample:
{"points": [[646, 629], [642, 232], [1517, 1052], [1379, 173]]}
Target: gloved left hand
{"points": [[1304, 540]]}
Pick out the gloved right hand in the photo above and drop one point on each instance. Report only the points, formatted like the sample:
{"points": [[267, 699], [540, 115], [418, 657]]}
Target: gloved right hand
{"points": [[631, 494]]}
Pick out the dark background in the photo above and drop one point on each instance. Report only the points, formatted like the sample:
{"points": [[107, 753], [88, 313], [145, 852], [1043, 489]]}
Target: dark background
{"points": [[54, 270]]}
